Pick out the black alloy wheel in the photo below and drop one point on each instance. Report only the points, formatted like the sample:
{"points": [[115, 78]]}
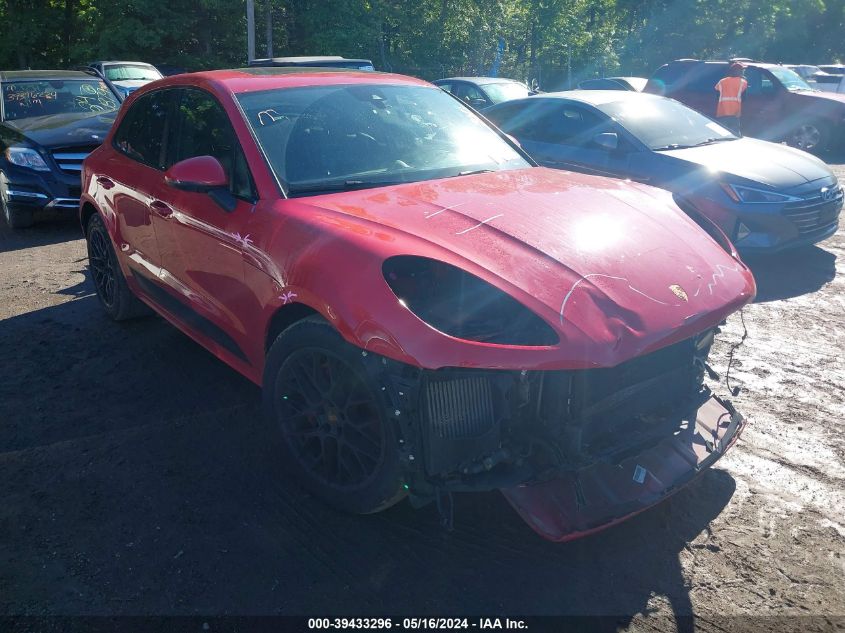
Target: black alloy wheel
{"points": [[336, 434], [102, 267]]}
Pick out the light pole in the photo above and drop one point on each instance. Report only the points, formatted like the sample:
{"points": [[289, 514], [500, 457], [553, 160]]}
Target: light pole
{"points": [[250, 30]]}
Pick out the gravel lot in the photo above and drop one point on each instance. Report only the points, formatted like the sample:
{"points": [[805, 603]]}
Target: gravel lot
{"points": [[135, 480]]}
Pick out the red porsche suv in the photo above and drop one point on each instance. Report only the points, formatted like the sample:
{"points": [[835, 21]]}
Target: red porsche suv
{"points": [[426, 310]]}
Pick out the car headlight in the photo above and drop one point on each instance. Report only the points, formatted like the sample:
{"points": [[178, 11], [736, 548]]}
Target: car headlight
{"points": [[26, 157], [750, 195], [460, 304]]}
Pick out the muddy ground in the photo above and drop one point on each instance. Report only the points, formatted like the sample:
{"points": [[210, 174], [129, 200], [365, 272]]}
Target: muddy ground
{"points": [[134, 479]]}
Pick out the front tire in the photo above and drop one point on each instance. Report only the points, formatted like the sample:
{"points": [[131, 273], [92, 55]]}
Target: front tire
{"points": [[114, 295], [15, 218], [336, 436], [811, 136]]}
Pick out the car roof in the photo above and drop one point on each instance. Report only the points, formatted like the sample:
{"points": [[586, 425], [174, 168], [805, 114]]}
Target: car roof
{"points": [[18, 75], [481, 81], [726, 62], [123, 62], [269, 78], [595, 98], [302, 59]]}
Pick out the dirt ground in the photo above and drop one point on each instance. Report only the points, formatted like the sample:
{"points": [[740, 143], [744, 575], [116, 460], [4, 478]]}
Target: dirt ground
{"points": [[134, 479]]}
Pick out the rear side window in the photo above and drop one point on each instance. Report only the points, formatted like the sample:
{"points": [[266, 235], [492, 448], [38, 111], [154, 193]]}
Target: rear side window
{"points": [[204, 129], [665, 77], [705, 78], [141, 132]]}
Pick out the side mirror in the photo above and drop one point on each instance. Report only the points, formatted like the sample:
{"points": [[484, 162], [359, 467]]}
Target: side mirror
{"points": [[607, 140], [200, 174]]}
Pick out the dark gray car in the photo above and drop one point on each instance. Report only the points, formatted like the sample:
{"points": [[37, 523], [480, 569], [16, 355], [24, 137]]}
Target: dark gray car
{"points": [[483, 92], [765, 196]]}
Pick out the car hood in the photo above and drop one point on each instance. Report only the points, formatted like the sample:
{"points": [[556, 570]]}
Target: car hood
{"points": [[823, 95], [778, 166], [614, 266], [66, 129]]}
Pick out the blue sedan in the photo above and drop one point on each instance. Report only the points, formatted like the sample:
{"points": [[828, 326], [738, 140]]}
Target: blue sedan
{"points": [[766, 197]]}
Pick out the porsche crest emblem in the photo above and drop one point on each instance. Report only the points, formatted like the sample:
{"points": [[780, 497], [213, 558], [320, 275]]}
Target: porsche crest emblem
{"points": [[679, 292]]}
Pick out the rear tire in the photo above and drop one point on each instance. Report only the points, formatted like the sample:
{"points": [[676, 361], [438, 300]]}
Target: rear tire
{"points": [[112, 291], [336, 436], [15, 218], [811, 136]]}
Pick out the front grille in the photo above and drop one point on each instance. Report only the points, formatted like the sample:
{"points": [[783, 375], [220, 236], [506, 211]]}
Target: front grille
{"points": [[811, 216], [69, 159]]}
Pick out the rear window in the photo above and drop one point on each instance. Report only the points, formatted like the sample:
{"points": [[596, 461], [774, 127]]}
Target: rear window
{"points": [[132, 72], [26, 99]]}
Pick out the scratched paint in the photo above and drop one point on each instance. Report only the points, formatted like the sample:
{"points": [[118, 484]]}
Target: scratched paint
{"points": [[482, 223]]}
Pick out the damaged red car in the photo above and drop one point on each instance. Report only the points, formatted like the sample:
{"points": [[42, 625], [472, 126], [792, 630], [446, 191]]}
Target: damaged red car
{"points": [[426, 310]]}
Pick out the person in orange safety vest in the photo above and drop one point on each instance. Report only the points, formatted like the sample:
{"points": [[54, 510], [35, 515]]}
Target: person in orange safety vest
{"points": [[729, 109]]}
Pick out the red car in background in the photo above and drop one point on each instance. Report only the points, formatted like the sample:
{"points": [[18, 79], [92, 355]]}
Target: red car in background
{"points": [[777, 106], [426, 311]]}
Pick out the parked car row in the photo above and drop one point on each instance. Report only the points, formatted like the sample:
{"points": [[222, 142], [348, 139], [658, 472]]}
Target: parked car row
{"points": [[509, 326]]}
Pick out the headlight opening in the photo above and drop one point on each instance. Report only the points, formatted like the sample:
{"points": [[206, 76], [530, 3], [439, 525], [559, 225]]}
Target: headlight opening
{"points": [[462, 305]]}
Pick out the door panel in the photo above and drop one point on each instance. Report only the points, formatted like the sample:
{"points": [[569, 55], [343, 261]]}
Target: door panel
{"points": [[562, 136], [202, 245], [140, 145], [762, 105]]}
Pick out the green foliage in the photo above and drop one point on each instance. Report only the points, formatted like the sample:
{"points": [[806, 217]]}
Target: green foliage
{"points": [[430, 38]]}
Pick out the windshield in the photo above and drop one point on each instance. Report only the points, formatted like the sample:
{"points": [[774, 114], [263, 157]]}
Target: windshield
{"points": [[131, 72], [665, 123], [325, 138], [505, 91], [25, 99], [790, 79]]}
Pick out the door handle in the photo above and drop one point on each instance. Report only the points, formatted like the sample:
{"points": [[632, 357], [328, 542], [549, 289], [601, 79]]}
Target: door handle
{"points": [[104, 182], [161, 209]]}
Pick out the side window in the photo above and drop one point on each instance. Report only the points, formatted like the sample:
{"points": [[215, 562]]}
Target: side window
{"points": [[760, 82], [561, 124], [468, 93], [574, 126], [141, 132], [446, 87], [204, 129], [705, 78], [664, 79]]}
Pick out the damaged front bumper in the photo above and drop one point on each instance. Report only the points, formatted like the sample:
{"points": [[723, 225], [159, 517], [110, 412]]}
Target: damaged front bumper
{"points": [[573, 451], [603, 494]]}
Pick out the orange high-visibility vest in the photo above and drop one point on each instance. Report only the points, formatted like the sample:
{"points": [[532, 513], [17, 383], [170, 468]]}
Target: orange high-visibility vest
{"points": [[730, 96]]}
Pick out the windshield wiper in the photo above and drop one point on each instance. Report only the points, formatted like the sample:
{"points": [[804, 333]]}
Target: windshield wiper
{"points": [[472, 172], [707, 141], [721, 139], [671, 146], [343, 185]]}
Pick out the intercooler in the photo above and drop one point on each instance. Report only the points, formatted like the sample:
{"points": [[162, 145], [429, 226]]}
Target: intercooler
{"points": [[470, 414]]}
